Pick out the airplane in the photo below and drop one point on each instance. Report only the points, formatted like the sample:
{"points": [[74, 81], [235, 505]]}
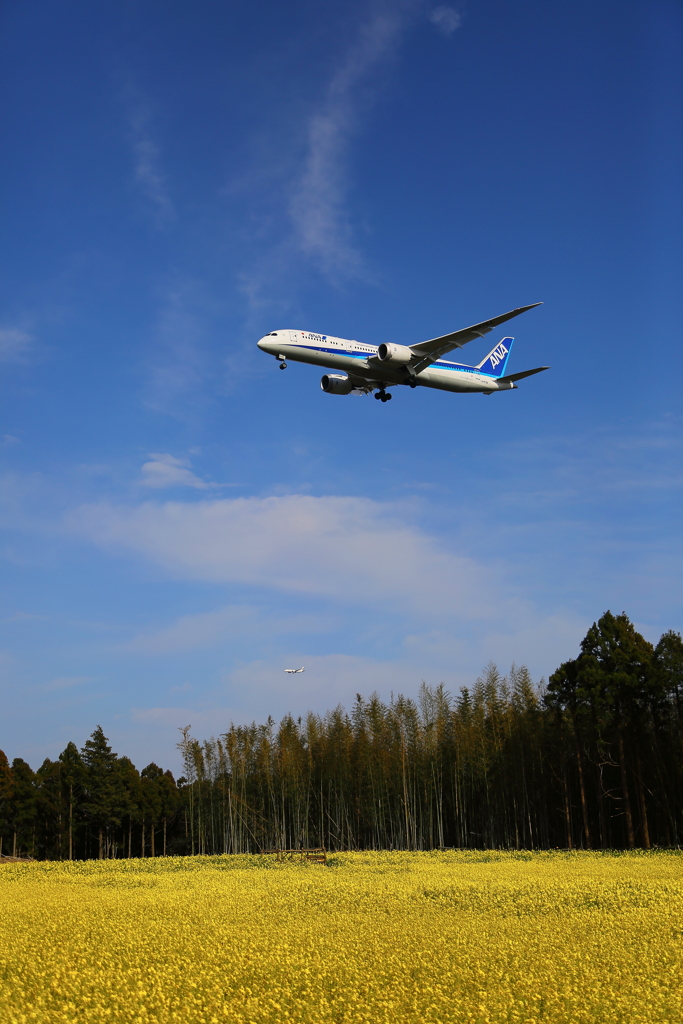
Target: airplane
{"points": [[294, 671], [375, 368]]}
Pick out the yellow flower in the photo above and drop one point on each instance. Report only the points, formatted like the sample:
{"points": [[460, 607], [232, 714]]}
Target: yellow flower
{"points": [[397, 937]]}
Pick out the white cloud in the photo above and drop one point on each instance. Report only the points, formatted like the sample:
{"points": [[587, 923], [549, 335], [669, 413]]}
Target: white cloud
{"points": [[445, 19], [350, 549], [329, 680], [317, 207], [205, 629], [181, 363], [149, 176], [15, 345], [25, 617], [168, 717], [164, 470], [526, 637], [66, 682]]}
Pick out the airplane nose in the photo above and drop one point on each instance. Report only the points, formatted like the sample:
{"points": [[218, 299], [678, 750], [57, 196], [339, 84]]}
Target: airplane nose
{"points": [[262, 343]]}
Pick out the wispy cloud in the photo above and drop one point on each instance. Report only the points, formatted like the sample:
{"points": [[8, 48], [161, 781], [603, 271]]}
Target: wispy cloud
{"points": [[329, 679], [15, 345], [314, 175], [150, 179], [25, 617], [181, 359], [164, 470], [345, 548], [318, 205], [67, 682], [206, 629], [446, 20], [149, 176]]}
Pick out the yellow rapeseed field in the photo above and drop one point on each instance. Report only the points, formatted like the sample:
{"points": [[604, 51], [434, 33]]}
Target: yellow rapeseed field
{"points": [[385, 937]]}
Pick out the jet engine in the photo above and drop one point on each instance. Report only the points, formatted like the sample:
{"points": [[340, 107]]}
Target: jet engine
{"points": [[399, 355], [335, 384]]}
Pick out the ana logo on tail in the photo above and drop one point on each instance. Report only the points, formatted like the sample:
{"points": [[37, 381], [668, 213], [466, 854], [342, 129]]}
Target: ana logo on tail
{"points": [[496, 361], [498, 355]]}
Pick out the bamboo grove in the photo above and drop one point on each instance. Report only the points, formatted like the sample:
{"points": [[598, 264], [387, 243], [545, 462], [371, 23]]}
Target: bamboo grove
{"points": [[593, 759]]}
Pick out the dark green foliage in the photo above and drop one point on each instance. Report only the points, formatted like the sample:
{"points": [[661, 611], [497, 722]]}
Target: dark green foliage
{"points": [[105, 795], [23, 808], [6, 809], [595, 760]]}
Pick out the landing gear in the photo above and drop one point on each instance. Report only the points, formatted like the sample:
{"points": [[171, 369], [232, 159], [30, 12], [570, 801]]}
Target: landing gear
{"points": [[382, 396], [283, 365], [413, 383]]}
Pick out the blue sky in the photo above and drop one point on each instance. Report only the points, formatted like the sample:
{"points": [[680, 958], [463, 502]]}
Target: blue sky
{"points": [[181, 520]]}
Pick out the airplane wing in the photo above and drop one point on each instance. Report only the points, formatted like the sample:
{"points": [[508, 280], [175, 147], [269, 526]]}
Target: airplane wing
{"points": [[361, 383], [429, 351]]}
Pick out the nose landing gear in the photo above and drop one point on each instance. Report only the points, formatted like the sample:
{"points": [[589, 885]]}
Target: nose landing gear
{"points": [[283, 365]]}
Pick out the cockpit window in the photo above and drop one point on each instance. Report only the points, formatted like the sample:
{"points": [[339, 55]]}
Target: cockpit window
{"points": [[273, 334]]}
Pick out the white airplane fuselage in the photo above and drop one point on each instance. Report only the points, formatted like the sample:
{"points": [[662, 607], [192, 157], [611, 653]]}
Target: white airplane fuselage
{"points": [[361, 360]]}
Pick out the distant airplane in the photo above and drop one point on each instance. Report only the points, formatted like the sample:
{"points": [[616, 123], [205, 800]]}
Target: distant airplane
{"points": [[294, 671], [378, 367]]}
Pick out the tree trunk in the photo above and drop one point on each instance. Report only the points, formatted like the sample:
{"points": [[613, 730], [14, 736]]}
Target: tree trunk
{"points": [[151, 836], [641, 801], [567, 814], [99, 855], [14, 845], [582, 789], [71, 822], [164, 837], [130, 836], [604, 836], [624, 790]]}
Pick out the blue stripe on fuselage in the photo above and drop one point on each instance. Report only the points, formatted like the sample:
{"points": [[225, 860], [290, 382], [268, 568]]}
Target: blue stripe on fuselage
{"points": [[438, 365]]}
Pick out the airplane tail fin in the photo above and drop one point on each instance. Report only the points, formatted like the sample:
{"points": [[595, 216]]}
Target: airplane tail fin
{"points": [[497, 359]]}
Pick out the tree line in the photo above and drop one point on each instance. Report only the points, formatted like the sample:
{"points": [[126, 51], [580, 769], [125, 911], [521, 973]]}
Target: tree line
{"points": [[591, 760]]}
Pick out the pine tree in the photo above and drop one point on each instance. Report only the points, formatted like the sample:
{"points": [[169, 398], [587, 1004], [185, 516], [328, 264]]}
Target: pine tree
{"points": [[24, 806], [105, 796], [73, 789], [6, 809]]}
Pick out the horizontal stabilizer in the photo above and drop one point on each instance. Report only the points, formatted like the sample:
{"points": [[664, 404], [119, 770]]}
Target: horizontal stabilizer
{"points": [[512, 377]]}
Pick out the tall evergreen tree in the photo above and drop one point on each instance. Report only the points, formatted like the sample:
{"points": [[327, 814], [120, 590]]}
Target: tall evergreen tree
{"points": [[24, 807], [595, 760], [6, 807], [73, 776], [105, 795], [616, 666]]}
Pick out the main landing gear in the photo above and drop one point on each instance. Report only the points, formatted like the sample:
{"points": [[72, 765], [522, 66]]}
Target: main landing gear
{"points": [[382, 396]]}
